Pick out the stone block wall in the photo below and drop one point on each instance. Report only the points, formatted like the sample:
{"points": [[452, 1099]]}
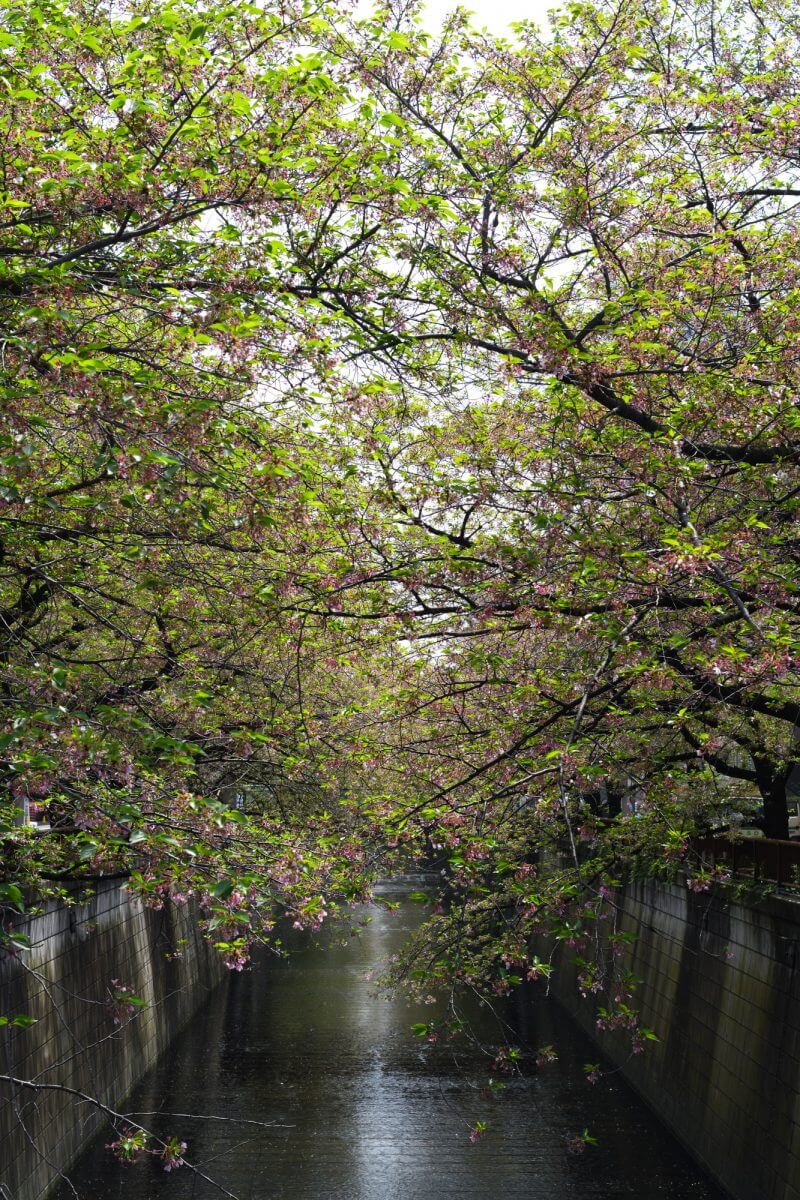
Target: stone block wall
{"points": [[721, 989], [84, 1037]]}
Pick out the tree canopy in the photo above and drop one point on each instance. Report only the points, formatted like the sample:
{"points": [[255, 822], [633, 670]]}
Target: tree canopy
{"points": [[399, 454]]}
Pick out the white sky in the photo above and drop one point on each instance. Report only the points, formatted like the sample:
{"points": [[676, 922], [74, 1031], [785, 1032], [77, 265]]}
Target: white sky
{"points": [[496, 15]]}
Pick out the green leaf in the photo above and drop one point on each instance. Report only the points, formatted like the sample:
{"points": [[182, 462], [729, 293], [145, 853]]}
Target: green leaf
{"points": [[223, 889]]}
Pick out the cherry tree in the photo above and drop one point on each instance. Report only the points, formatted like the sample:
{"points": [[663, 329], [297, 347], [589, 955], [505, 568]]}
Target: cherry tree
{"points": [[151, 695], [576, 291]]}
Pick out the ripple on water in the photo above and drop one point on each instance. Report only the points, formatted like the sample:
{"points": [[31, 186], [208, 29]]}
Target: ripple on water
{"points": [[363, 1111]]}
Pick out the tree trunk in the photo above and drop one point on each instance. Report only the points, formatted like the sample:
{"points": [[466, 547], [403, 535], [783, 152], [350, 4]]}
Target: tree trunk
{"points": [[614, 802], [772, 785]]}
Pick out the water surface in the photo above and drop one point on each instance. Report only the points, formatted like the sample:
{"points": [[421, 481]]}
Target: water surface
{"points": [[365, 1111]]}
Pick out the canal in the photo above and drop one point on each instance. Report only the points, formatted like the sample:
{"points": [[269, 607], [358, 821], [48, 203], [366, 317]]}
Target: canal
{"points": [[359, 1109]]}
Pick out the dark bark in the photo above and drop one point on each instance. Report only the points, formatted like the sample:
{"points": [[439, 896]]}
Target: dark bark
{"points": [[614, 802], [771, 782]]}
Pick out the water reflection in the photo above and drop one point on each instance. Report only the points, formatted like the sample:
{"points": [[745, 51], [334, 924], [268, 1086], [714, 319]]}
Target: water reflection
{"points": [[363, 1111]]}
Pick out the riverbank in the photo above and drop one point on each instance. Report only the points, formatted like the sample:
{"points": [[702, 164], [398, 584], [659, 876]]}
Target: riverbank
{"points": [[720, 986], [109, 984], [356, 1108]]}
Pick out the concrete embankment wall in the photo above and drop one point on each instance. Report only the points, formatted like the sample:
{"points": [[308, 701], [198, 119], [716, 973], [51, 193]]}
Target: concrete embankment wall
{"points": [[721, 989], [84, 1038]]}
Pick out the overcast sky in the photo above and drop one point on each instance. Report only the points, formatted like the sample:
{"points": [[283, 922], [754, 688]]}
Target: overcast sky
{"points": [[494, 14]]}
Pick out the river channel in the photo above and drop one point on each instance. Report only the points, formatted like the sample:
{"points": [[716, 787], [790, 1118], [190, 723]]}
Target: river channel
{"points": [[362, 1110]]}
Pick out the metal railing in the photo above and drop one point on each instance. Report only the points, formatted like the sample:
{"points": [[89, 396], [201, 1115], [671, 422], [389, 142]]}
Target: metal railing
{"points": [[766, 859]]}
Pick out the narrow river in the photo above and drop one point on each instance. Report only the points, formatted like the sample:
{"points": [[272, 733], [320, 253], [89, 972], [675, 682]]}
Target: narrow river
{"points": [[362, 1110]]}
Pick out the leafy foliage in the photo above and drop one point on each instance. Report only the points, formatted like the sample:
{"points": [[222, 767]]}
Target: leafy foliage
{"points": [[399, 457]]}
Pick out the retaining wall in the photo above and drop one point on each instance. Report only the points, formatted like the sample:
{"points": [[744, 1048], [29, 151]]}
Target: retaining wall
{"points": [[721, 989], [84, 1038]]}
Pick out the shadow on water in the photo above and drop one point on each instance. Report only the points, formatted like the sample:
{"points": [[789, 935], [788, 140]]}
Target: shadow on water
{"points": [[364, 1111]]}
